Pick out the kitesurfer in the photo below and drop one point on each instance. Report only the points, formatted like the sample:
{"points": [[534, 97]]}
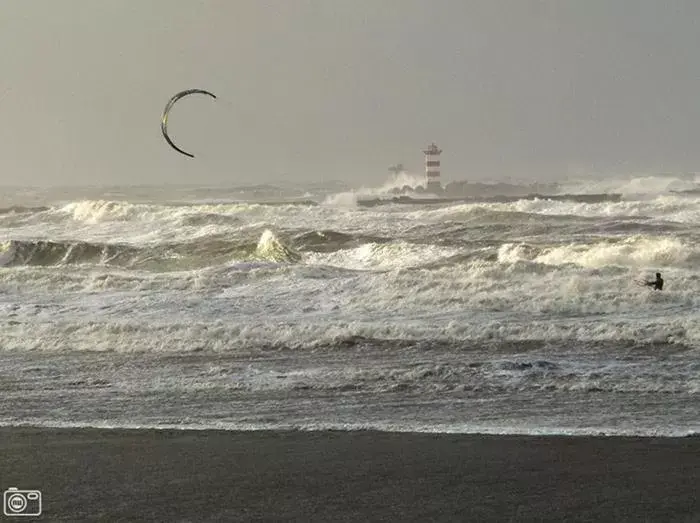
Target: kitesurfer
{"points": [[658, 283]]}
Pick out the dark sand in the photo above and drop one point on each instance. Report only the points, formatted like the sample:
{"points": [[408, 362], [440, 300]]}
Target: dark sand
{"points": [[149, 475]]}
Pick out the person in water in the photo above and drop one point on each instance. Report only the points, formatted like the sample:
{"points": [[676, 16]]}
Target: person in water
{"points": [[658, 283]]}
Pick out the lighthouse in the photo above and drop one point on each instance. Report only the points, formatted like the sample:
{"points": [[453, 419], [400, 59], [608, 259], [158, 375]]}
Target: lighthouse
{"points": [[432, 168]]}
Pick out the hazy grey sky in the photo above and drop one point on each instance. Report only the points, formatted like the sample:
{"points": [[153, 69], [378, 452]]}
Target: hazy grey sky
{"points": [[341, 89]]}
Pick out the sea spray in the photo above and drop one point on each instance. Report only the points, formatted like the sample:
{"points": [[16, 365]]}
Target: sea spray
{"points": [[498, 317], [272, 249]]}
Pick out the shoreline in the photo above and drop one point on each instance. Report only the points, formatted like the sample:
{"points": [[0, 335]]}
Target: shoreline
{"points": [[82, 431], [163, 474]]}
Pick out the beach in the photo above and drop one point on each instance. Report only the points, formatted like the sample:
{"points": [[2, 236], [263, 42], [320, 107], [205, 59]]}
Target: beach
{"points": [[170, 475], [345, 261]]}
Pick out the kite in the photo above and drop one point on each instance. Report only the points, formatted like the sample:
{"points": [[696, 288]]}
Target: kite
{"points": [[166, 112]]}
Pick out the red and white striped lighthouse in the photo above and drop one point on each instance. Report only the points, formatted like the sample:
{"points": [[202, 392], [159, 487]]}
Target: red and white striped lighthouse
{"points": [[432, 168]]}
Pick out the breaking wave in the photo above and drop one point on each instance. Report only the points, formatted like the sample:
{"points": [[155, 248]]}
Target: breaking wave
{"points": [[515, 310], [204, 252], [640, 252]]}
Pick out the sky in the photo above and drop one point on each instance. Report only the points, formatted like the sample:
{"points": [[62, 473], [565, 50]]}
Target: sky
{"points": [[320, 90]]}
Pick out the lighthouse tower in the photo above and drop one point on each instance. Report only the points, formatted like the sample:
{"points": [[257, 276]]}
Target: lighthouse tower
{"points": [[432, 168]]}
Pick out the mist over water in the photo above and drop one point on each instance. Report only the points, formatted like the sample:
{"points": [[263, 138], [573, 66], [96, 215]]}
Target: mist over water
{"points": [[290, 306]]}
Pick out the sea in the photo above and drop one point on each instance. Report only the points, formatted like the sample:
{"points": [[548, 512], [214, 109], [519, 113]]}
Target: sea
{"points": [[300, 307]]}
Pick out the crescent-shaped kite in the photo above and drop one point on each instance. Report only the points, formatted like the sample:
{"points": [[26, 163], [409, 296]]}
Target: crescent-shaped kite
{"points": [[166, 112]]}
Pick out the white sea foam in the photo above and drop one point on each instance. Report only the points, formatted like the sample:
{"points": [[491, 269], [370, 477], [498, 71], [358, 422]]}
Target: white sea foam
{"points": [[535, 428], [436, 303], [635, 252], [633, 185]]}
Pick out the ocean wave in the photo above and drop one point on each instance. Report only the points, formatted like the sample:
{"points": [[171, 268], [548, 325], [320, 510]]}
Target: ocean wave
{"points": [[503, 314], [98, 211], [475, 373], [40, 252], [634, 185], [203, 252], [105, 211], [664, 208], [484, 273], [636, 251], [151, 222], [459, 247], [350, 365], [19, 209], [330, 240], [126, 324]]}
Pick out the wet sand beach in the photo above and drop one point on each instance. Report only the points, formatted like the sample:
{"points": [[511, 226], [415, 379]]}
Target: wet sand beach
{"points": [[169, 475]]}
